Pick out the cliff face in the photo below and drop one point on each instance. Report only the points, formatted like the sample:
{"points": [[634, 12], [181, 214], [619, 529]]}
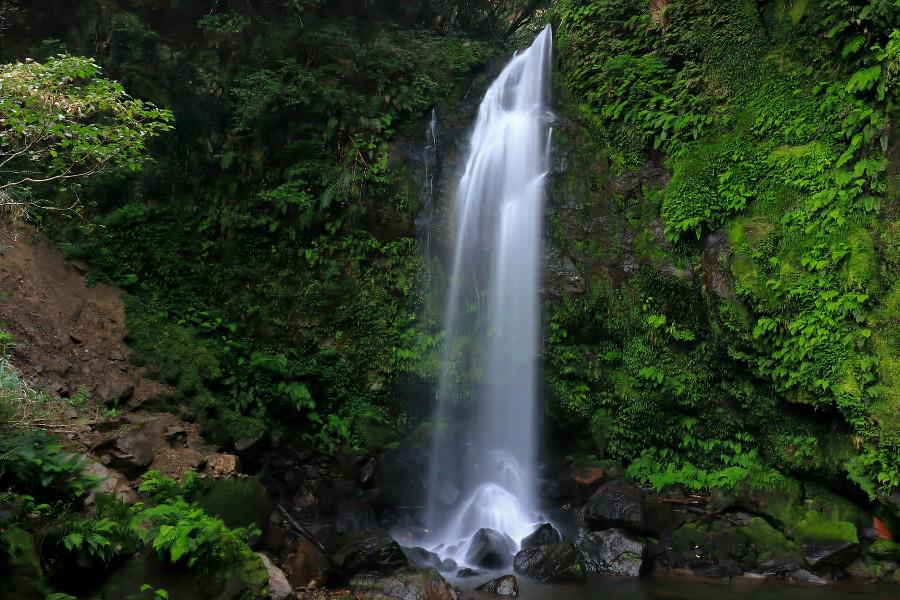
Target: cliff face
{"points": [[725, 196]]}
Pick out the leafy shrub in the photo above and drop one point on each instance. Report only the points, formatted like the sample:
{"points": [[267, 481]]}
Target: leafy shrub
{"points": [[35, 462]]}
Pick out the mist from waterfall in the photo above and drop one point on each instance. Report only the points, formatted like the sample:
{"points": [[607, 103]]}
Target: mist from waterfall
{"points": [[489, 382]]}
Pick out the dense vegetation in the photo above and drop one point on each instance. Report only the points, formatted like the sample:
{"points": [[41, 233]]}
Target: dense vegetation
{"points": [[774, 121], [734, 171]]}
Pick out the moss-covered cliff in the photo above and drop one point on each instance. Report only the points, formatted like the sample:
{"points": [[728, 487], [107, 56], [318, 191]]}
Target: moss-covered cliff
{"points": [[734, 237]]}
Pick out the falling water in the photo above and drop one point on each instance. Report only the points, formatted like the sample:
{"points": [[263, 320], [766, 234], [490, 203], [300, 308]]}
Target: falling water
{"points": [[483, 473], [425, 220]]}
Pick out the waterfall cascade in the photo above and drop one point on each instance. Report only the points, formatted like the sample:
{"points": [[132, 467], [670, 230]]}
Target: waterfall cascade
{"points": [[486, 478]]}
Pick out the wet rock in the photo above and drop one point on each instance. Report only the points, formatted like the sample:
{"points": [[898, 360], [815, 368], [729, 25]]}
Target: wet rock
{"points": [[829, 553], [406, 584], [612, 552], [352, 514], [467, 572], [279, 587], [490, 549], [448, 565], [723, 570], [367, 472], [365, 550], [583, 481], [616, 503], [306, 566], [502, 586], [554, 562], [21, 567], [420, 557], [544, 535], [884, 550], [871, 569], [805, 577], [130, 453]]}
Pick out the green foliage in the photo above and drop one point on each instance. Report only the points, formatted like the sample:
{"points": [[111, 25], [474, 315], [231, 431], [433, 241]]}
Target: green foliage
{"points": [[183, 533], [102, 538], [279, 284], [775, 127], [62, 121], [35, 462], [735, 461]]}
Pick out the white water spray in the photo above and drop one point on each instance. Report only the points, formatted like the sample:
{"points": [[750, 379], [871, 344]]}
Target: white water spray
{"points": [[492, 316]]}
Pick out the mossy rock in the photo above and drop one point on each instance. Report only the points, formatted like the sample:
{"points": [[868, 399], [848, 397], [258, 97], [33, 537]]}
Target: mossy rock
{"points": [[749, 540], [238, 501], [885, 550], [813, 517], [20, 567], [870, 569]]}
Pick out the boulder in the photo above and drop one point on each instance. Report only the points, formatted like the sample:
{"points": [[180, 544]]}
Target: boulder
{"points": [[829, 553], [448, 565], [222, 465], [870, 569], [884, 550], [490, 549], [115, 393], [20, 566], [551, 563], [279, 587], [467, 572], [306, 566], [804, 577], [612, 552], [544, 535], [129, 453], [406, 584], [420, 557], [365, 550], [502, 586], [616, 503], [352, 514]]}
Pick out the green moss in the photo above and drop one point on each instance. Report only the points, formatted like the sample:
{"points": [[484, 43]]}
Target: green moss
{"points": [[768, 542], [885, 550], [238, 501], [21, 576]]}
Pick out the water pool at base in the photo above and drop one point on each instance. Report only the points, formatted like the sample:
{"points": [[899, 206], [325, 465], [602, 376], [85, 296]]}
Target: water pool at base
{"points": [[679, 588]]}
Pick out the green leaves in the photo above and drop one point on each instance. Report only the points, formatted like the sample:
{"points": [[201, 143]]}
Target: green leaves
{"points": [[864, 79], [183, 533]]}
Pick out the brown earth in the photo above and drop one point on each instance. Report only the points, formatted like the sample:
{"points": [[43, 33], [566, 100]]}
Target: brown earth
{"points": [[70, 343]]}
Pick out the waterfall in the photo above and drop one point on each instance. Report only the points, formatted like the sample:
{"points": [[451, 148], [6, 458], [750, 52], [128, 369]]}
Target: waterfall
{"points": [[484, 444], [425, 221]]}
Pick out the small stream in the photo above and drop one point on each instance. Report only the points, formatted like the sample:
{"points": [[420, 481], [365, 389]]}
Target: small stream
{"points": [[680, 588]]}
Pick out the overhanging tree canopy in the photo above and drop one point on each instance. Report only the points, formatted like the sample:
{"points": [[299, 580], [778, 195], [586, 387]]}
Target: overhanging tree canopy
{"points": [[61, 121]]}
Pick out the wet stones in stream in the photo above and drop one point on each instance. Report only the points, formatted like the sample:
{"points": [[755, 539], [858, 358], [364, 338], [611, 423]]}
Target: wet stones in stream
{"points": [[502, 586], [616, 503], [365, 550], [490, 549], [405, 584], [551, 563], [542, 536], [612, 552]]}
